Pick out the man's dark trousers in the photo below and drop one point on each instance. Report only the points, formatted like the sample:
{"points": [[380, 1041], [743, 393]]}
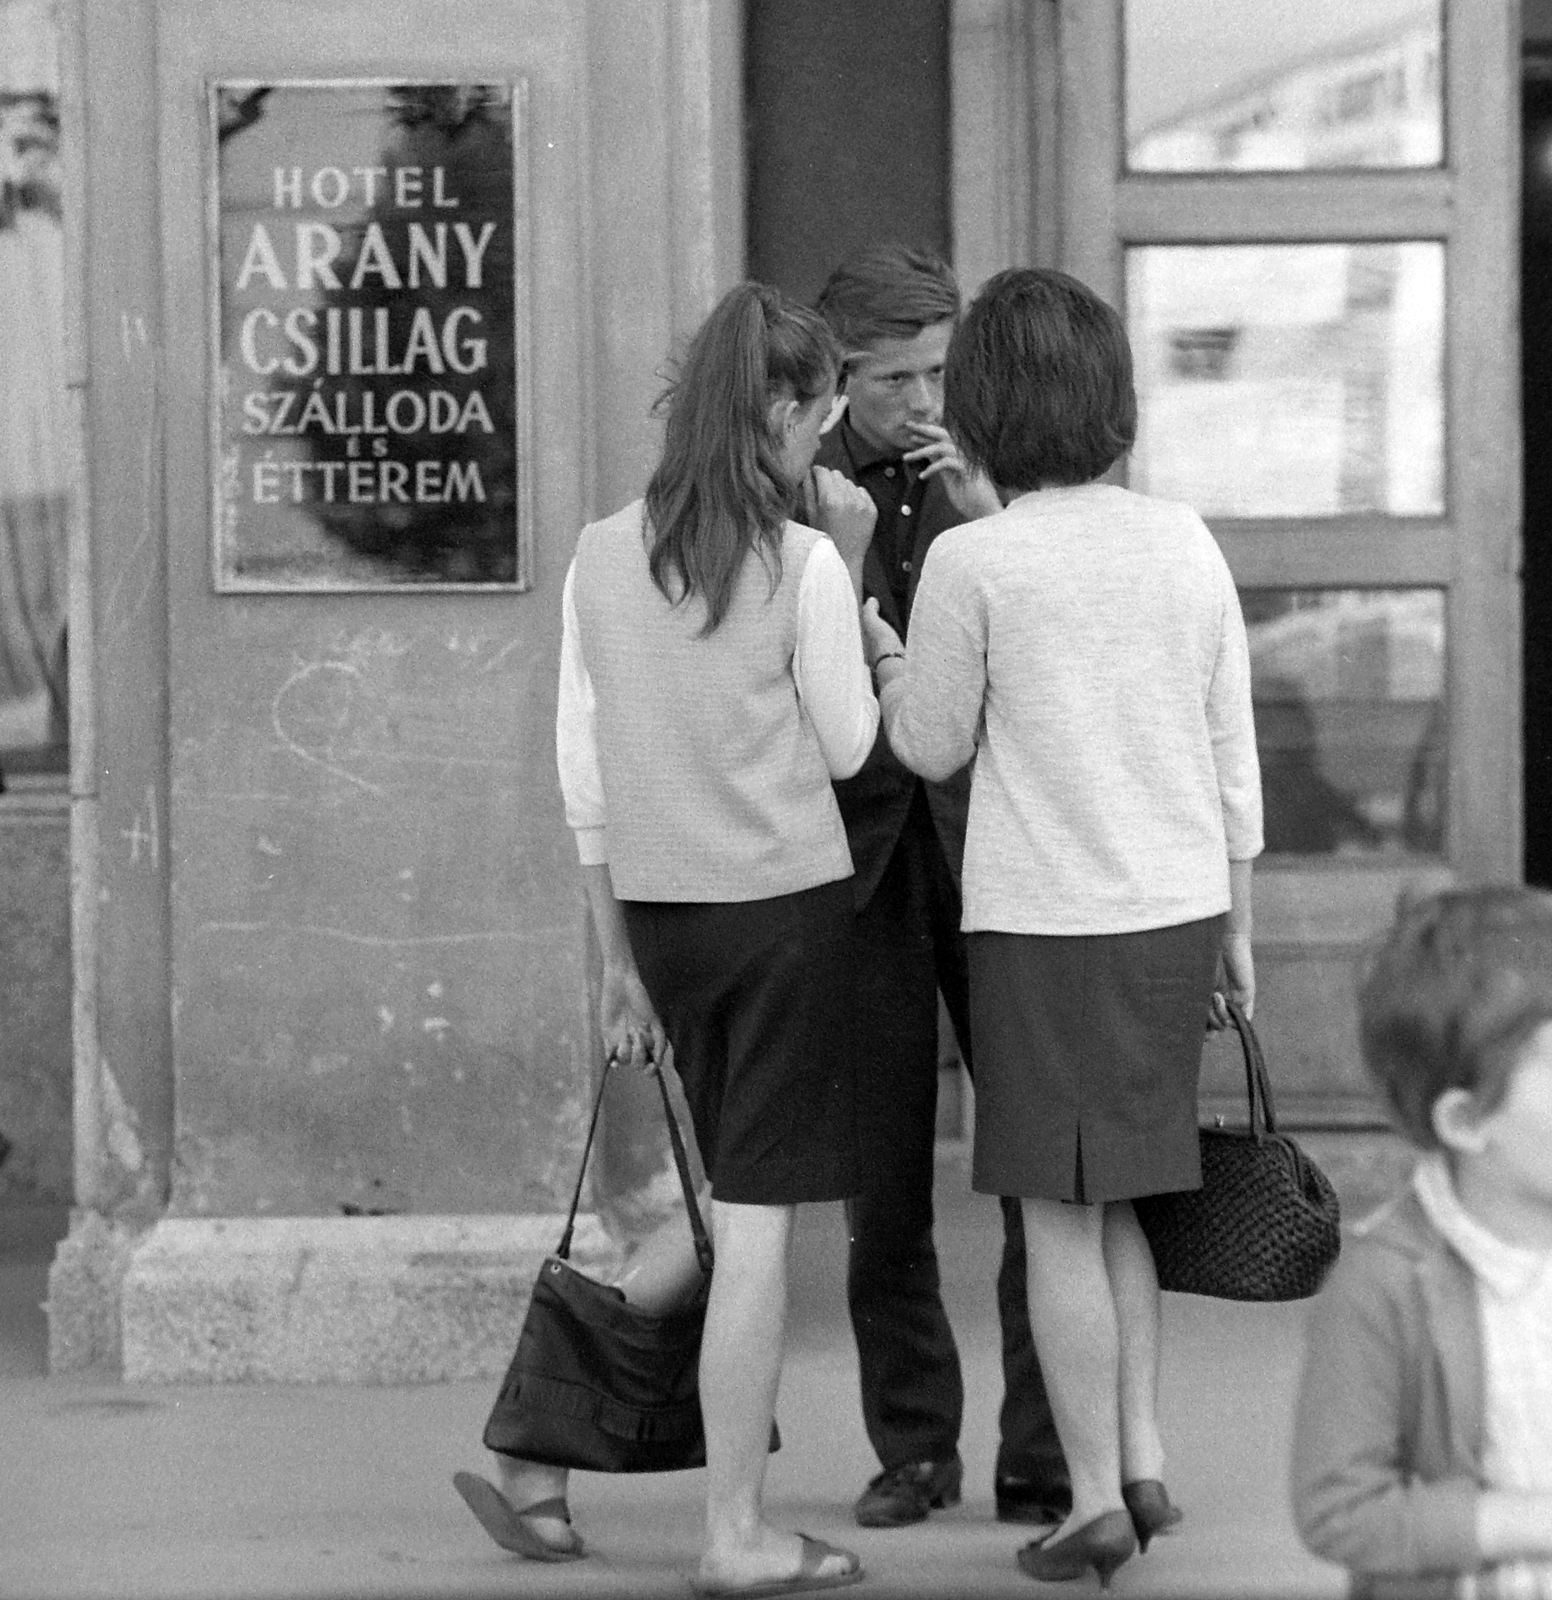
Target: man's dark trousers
{"points": [[907, 842], [908, 948]]}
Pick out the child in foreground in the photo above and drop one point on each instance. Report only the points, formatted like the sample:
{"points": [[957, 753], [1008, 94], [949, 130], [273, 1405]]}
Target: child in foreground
{"points": [[1423, 1436]]}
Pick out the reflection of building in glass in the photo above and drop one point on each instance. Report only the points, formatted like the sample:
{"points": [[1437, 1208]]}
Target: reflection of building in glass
{"points": [[1349, 691], [33, 463], [1290, 380], [1298, 380], [1370, 101]]}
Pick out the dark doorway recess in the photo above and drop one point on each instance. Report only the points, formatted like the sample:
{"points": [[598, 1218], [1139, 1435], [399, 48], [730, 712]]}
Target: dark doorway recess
{"points": [[1536, 336], [847, 106]]}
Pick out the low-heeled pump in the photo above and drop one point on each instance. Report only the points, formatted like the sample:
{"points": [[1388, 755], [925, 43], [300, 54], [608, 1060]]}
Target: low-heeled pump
{"points": [[1103, 1544], [1151, 1509]]}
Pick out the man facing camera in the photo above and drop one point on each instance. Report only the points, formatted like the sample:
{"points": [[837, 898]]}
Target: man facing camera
{"points": [[894, 310]]}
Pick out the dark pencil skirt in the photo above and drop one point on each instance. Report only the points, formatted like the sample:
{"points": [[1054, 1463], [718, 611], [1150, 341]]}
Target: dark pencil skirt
{"points": [[757, 998], [1088, 1050]]}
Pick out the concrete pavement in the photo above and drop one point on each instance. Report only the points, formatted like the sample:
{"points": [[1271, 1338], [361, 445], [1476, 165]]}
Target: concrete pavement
{"points": [[230, 1492]]}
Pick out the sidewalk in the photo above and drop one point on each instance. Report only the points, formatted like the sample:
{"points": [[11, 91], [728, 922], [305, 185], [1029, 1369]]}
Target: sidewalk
{"points": [[227, 1493]]}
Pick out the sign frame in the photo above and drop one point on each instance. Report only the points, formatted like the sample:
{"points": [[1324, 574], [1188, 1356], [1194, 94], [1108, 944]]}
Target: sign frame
{"points": [[226, 550]]}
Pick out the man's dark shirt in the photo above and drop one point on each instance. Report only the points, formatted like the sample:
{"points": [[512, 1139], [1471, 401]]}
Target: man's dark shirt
{"points": [[912, 512]]}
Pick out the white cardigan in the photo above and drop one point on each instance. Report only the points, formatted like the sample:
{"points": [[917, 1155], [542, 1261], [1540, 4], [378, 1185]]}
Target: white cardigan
{"points": [[723, 745], [1086, 646]]}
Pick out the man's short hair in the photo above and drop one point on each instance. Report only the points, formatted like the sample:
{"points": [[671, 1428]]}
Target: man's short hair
{"points": [[887, 291], [1452, 995], [1038, 384]]}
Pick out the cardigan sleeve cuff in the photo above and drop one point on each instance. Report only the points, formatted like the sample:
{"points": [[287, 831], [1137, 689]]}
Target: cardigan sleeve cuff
{"points": [[592, 851], [1444, 1525]]}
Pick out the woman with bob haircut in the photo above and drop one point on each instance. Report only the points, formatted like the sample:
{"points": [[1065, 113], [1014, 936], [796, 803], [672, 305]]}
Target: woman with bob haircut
{"points": [[712, 683], [1085, 644]]}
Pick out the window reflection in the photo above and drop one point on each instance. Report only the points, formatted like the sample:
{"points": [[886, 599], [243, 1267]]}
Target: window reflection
{"points": [[1349, 698], [1260, 85], [1290, 380], [34, 486]]}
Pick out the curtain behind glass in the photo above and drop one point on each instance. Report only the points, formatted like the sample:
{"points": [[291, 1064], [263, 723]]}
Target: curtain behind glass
{"points": [[34, 491]]}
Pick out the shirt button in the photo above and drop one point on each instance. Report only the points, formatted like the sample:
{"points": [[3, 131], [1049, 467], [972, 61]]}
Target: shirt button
{"points": [[905, 566], [905, 511]]}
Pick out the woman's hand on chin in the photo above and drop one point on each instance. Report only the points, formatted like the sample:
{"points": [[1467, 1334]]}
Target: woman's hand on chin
{"points": [[846, 512]]}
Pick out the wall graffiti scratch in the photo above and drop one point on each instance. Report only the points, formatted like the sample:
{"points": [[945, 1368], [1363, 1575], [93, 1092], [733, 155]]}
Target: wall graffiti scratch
{"points": [[372, 940]]}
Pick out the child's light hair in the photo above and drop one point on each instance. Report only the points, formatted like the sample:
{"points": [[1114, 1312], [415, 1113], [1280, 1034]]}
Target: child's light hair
{"points": [[1452, 995]]}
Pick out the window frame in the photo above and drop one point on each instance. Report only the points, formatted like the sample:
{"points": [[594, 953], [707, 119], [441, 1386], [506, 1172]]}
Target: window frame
{"points": [[1470, 205]]}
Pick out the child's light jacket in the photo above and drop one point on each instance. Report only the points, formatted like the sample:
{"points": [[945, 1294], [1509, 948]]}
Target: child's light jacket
{"points": [[1388, 1430]]}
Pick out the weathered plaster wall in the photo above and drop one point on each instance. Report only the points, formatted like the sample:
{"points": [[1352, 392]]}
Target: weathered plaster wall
{"points": [[35, 1085], [124, 1089], [377, 984], [333, 954], [340, 958]]}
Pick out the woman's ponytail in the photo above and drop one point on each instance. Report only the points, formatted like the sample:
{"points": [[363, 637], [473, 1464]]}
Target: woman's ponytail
{"points": [[718, 492]]}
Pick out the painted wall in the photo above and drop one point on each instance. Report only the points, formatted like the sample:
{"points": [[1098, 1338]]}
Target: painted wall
{"points": [[338, 956]]}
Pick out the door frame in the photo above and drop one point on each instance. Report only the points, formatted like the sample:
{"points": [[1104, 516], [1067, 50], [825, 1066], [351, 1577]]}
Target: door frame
{"points": [[1326, 910]]}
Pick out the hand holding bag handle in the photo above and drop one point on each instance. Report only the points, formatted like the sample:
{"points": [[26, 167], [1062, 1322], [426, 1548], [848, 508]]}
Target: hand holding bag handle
{"points": [[598, 1383], [703, 1252], [1265, 1225]]}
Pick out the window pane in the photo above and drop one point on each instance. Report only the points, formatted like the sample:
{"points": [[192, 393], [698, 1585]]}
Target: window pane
{"points": [[1264, 86], [34, 485], [1349, 697], [1290, 380]]}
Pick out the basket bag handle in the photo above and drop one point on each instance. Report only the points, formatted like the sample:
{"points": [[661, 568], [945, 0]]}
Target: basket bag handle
{"points": [[1258, 1083], [681, 1161]]}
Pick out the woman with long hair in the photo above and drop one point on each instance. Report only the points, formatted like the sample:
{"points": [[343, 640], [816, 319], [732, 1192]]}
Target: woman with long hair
{"points": [[712, 684], [1085, 645]]}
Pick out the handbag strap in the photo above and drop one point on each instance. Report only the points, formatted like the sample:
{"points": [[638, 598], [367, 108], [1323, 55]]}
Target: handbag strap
{"points": [[1258, 1083], [703, 1252]]}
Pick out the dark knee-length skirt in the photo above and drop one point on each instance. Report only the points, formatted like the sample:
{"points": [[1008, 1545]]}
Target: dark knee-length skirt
{"points": [[1088, 1051]]}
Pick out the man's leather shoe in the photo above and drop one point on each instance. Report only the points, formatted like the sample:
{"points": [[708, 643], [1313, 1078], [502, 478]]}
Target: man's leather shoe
{"points": [[1040, 1504], [901, 1495]]}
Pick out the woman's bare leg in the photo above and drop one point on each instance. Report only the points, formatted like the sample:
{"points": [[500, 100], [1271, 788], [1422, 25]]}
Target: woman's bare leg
{"points": [[526, 1483], [659, 1274], [1134, 1286], [1073, 1318], [740, 1370]]}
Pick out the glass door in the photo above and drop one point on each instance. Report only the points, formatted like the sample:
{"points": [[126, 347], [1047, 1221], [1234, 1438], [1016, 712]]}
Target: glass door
{"points": [[35, 464], [1307, 216]]}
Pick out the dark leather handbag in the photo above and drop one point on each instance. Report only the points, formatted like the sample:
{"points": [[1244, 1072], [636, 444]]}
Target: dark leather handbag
{"points": [[1266, 1223], [597, 1383]]}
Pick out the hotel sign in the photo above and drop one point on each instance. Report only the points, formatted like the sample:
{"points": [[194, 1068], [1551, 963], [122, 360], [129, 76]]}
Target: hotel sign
{"points": [[370, 403]]}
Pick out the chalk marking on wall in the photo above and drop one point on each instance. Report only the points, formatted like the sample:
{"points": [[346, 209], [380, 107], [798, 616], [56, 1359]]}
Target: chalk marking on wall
{"points": [[145, 831], [123, 1141], [120, 617], [303, 672], [130, 329], [500, 656], [373, 940], [226, 797]]}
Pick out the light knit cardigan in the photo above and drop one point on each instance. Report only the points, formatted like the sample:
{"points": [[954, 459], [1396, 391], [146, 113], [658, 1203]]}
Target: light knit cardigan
{"points": [[699, 765], [1086, 646]]}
